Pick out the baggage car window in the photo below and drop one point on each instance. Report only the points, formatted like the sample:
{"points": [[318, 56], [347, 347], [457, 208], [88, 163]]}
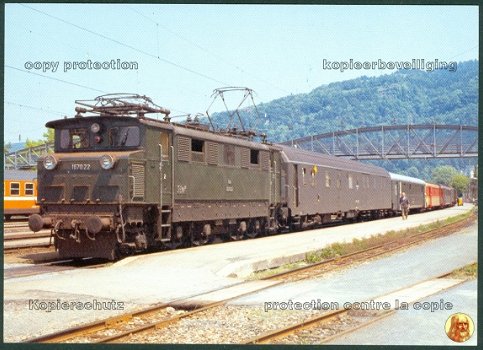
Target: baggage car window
{"points": [[327, 179], [15, 189], [349, 178], [29, 189]]}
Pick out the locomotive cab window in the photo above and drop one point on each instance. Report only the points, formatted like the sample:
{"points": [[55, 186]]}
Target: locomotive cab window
{"points": [[15, 189], [74, 139]]}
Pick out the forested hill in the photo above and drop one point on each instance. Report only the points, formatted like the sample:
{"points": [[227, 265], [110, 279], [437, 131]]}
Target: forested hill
{"points": [[405, 96]]}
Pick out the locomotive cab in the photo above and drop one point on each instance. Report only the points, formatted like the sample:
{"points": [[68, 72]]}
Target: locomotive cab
{"points": [[92, 188]]}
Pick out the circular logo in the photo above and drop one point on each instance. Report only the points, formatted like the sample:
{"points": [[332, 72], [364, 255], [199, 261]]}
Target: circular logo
{"points": [[459, 327]]}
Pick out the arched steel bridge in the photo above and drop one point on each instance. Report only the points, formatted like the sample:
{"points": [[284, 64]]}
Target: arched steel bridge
{"points": [[395, 142], [377, 142]]}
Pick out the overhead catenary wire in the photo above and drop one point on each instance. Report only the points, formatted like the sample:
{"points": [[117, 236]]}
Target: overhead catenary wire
{"points": [[56, 79], [46, 110]]}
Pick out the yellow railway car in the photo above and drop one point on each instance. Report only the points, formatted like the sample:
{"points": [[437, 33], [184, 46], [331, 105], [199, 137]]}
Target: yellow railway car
{"points": [[20, 193]]}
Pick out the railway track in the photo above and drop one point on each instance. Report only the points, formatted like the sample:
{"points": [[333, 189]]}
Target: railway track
{"points": [[116, 329], [341, 321], [26, 241], [7, 225], [17, 236]]}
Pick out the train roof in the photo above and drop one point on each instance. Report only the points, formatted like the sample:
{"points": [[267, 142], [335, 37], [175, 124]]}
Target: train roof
{"points": [[20, 175], [296, 155], [398, 177]]}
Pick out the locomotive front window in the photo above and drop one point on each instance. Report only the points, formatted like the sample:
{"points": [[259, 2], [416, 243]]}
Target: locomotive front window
{"points": [[127, 136], [74, 139], [86, 139]]}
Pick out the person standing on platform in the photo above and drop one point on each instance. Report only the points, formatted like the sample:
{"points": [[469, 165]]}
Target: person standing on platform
{"points": [[404, 202]]}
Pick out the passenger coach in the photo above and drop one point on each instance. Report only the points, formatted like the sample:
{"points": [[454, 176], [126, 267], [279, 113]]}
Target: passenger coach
{"points": [[20, 193]]}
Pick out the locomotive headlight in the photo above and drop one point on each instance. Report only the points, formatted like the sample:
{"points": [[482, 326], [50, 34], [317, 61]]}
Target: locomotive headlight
{"points": [[107, 162], [50, 162], [95, 128]]}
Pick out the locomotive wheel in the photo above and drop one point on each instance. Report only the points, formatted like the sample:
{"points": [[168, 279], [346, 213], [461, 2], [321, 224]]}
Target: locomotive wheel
{"points": [[176, 238], [253, 229], [200, 234]]}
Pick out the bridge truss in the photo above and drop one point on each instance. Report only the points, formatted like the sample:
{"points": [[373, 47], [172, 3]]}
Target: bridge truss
{"points": [[395, 142]]}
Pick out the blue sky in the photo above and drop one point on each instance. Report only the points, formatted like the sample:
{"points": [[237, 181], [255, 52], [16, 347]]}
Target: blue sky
{"points": [[183, 52]]}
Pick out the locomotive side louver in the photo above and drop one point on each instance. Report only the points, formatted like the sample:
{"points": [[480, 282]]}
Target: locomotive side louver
{"points": [[137, 172], [245, 157], [184, 148], [265, 159]]}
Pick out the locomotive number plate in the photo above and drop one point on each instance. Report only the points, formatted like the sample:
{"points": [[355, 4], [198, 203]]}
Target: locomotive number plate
{"points": [[77, 166]]}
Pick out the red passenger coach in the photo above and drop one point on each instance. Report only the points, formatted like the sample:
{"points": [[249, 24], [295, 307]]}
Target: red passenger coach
{"points": [[433, 195]]}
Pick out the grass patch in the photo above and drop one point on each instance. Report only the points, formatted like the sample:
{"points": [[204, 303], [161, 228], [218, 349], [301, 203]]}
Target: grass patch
{"points": [[336, 250], [467, 272], [282, 268]]}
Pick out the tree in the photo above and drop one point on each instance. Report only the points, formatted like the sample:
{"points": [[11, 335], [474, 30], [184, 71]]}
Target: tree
{"points": [[460, 183], [31, 143], [48, 135], [443, 175], [413, 172]]}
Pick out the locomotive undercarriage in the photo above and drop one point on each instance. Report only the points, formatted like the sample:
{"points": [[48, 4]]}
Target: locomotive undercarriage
{"points": [[99, 230], [200, 233]]}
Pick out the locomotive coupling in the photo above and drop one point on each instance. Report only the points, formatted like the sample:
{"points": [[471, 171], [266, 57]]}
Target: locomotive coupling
{"points": [[36, 222]]}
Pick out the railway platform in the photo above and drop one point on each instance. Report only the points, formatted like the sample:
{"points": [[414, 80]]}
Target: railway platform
{"points": [[163, 277]]}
